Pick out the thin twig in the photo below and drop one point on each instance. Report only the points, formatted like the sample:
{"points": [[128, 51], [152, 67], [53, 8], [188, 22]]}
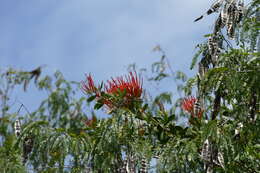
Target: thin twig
{"points": [[22, 105]]}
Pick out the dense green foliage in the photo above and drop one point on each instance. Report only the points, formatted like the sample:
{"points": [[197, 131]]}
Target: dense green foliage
{"points": [[155, 131]]}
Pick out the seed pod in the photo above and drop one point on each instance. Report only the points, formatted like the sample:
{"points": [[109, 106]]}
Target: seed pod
{"points": [[124, 169], [211, 45], [197, 107], [218, 25], [224, 15], [131, 162], [231, 32], [17, 128], [156, 156], [214, 7], [231, 21], [144, 166], [239, 12], [202, 70], [205, 153], [215, 56], [199, 18], [27, 147], [221, 159]]}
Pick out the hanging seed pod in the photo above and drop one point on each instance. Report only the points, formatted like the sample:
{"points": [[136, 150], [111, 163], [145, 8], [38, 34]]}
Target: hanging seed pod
{"points": [[202, 70], [156, 156], [239, 12], [131, 162], [214, 7], [214, 44], [253, 107], [220, 41], [125, 168], [231, 10], [238, 129], [231, 32], [231, 21], [221, 160], [210, 45], [215, 56], [144, 166], [27, 147], [17, 128], [224, 15], [199, 18], [205, 153], [197, 108], [218, 25]]}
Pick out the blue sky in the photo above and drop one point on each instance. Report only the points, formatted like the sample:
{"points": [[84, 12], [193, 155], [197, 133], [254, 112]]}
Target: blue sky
{"points": [[101, 37]]}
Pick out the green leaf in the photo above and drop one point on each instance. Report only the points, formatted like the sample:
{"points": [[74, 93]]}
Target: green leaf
{"points": [[91, 98], [98, 105], [170, 118], [145, 107], [208, 35]]}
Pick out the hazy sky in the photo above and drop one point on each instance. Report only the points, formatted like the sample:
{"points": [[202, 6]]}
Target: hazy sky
{"points": [[99, 36]]}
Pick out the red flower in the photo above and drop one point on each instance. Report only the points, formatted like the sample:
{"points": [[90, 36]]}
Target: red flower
{"points": [[189, 105], [129, 86], [88, 86]]}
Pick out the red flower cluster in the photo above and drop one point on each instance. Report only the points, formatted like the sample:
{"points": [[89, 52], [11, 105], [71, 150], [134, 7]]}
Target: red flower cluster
{"points": [[189, 105], [131, 85], [88, 86]]}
